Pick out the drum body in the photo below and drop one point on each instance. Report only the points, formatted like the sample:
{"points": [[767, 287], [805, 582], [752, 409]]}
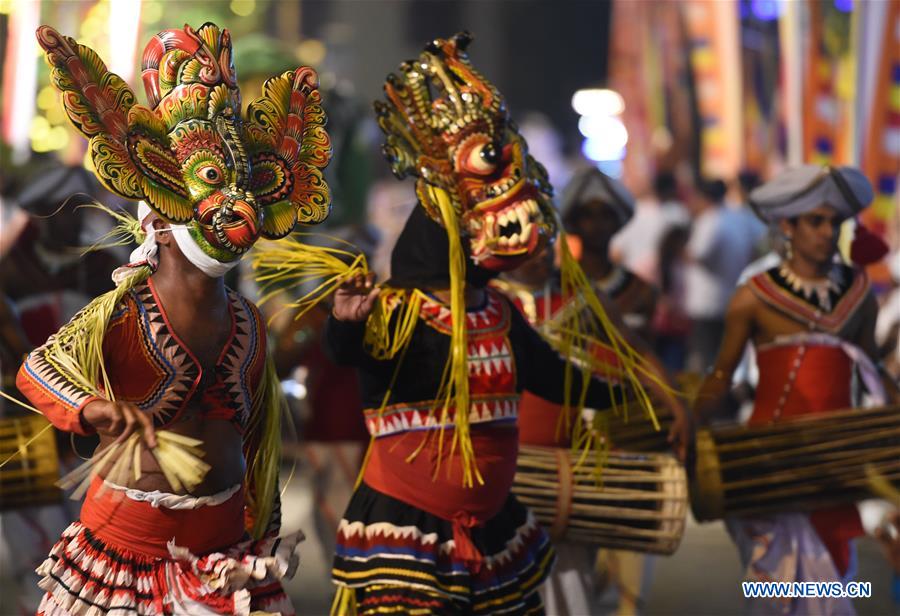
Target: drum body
{"points": [[635, 432], [639, 503], [795, 465], [630, 430], [29, 477]]}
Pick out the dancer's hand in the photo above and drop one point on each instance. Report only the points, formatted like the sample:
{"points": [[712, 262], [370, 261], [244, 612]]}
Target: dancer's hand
{"points": [[889, 536], [119, 419], [680, 432], [355, 298]]}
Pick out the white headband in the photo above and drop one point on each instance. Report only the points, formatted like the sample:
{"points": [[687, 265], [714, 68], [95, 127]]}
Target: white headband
{"points": [[202, 261], [148, 252], [145, 254]]}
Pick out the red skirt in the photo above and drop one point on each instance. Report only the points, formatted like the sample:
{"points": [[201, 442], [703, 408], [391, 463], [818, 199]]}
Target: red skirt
{"points": [[113, 564]]}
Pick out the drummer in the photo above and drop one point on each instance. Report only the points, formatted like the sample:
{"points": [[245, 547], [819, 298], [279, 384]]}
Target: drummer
{"points": [[595, 207], [811, 319]]}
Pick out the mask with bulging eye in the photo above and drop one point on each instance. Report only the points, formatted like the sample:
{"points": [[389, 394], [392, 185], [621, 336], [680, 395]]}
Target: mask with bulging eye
{"points": [[189, 154], [449, 127]]}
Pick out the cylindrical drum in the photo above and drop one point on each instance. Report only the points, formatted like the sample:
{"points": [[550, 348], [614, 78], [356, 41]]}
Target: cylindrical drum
{"points": [[795, 465], [631, 430], [638, 503], [635, 432], [32, 468]]}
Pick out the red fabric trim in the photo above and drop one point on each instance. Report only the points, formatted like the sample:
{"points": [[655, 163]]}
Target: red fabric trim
{"points": [[196, 383], [441, 492], [174, 334], [401, 600], [62, 416], [780, 299], [540, 304], [231, 334], [491, 320], [836, 526], [143, 529], [807, 395], [539, 422], [438, 489], [539, 418]]}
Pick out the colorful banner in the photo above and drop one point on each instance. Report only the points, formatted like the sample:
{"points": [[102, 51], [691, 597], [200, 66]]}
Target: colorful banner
{"points": [[627, 75], [881, 144], [712, 29], [760, 73], [677, 131], [648, 68], [790, 30], [828, 86]]}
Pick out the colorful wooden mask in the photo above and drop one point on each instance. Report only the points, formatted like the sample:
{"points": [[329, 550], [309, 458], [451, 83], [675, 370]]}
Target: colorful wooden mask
{"points": [[448, 126], [189, 155]]}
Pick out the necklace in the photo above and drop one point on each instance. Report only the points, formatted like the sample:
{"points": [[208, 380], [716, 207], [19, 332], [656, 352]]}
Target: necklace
{"points": [[819, 289]]}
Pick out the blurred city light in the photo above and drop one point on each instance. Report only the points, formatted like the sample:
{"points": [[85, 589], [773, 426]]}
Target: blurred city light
{"points": [[20, 78], [124, 26], [767, 10], [609, 128], [598, 150], [152, 12], [597, 101], [845, 6], [605, 135], [294, 389], [612, 168], [242, 8], [311, 52], [45, 137]]}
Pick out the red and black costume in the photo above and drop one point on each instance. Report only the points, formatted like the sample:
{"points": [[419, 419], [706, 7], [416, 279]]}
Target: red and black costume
{"points": [[117, 554], [218, 179], [413, 536]]}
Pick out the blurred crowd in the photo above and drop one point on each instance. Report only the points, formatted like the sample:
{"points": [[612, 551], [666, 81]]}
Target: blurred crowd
{"points": [[689, 241]]}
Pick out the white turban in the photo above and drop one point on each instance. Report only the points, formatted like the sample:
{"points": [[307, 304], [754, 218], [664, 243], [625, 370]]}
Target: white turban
{"points": [[594, 185], [801, 189]]}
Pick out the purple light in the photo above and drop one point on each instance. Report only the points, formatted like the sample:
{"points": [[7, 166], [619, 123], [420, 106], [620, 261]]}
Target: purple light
{"points": [[766, 10], [845, 6]]}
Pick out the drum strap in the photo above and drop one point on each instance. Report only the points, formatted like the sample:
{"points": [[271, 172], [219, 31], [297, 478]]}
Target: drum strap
{"points": [[563, 496]]}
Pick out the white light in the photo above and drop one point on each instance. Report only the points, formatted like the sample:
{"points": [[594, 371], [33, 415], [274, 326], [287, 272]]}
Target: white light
{"points": [[294, 389], [612, 168], [124, 23], [600, 150], [598, 101], [20, 79], [604, 128]]}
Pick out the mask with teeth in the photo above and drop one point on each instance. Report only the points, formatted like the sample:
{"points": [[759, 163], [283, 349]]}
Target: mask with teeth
{"points": [[448, 126], [189, 155]]}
